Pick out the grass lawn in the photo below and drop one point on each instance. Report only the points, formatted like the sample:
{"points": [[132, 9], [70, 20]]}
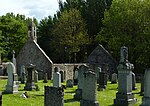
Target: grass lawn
{"points": [[105, 97]]}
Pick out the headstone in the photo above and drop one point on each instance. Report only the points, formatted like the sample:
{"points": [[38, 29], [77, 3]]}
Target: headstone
{"points": [[133, 82], [23, 74], [89, 90], [35, 76], [102, 81], [53, 96], [114, 78], [146, 97], [69, 83], [56, 78], [12, 83], [45, 78], [62, 75], [82, 69], [75, 77], [14, 59], [0, 98], [30, 84], [124, 96]]}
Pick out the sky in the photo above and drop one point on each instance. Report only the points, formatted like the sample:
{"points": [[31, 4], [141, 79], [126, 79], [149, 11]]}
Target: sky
{"points": [[30, 8]]}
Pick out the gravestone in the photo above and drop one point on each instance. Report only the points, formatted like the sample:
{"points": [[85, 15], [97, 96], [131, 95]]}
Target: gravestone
{"points": [[12, 83], [23, 74], [53, 96], [35, 76], [69, 83], [30, 84], [62, 75], [82, 69], [45, 78], [102, 81], [75, 76], [14, 59], [114, 78], [146, 97], [89, 90], [56, 78], [133, 82], [0, 98], [124, 96]]}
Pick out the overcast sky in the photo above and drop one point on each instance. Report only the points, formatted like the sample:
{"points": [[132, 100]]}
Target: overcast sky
{"points": [[30, 8]]}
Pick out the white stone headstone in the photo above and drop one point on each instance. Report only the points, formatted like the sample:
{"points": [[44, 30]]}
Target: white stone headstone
{"points": [[57, 79], [12, 83]]}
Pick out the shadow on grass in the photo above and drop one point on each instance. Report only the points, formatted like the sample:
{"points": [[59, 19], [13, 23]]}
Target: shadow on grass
{"points": [[69, 100], [111, 105], [40, 95], [70, 92]]}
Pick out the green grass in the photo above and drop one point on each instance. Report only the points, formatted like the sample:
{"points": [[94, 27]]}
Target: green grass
{"points": [[105, 97]]}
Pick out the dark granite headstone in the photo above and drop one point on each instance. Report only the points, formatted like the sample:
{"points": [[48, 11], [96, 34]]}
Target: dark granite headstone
{"points": [[53, 96], [62, 76], [102, 81], [45, 78], [30, 84]]}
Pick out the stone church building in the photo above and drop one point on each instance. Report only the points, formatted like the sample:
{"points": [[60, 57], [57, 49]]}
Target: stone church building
{"points": [[31, 53]]}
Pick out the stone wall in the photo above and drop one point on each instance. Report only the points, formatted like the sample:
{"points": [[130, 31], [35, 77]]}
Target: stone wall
{"points": [[67, 69], [31, 53]]}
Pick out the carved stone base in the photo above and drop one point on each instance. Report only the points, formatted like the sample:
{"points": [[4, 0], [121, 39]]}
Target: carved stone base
{"points": [[123, 99], [89, 103], [78, 94], [145, 101], [11, 89]]}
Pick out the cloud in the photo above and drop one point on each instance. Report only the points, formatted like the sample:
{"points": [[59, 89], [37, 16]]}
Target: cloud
{"points": [[30, 8]]}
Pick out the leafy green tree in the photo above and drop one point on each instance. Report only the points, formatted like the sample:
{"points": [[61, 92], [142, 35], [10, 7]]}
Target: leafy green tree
{"points": [[13, 33], [45, 38], [69, 35], [127, 23]]}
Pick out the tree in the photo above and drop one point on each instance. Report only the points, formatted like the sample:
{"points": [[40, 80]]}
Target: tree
{"points": [[69, 35], [127, 23], [13, 33], [45, 28]]}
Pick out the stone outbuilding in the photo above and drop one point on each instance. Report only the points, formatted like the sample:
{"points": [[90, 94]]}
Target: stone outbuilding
{"points": [[100, 57], [31, 53]]}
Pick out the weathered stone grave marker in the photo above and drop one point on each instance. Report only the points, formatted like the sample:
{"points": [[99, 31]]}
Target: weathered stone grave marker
{"points": [[56, 78], [146, 97], [133, 82], [23, 74], [82, 69], [114, 78], [30, 84], [89, 90], [124, 96], [12, 83]]}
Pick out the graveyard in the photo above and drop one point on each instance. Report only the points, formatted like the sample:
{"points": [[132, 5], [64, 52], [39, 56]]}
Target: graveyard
{"points": [[36, 98]]}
